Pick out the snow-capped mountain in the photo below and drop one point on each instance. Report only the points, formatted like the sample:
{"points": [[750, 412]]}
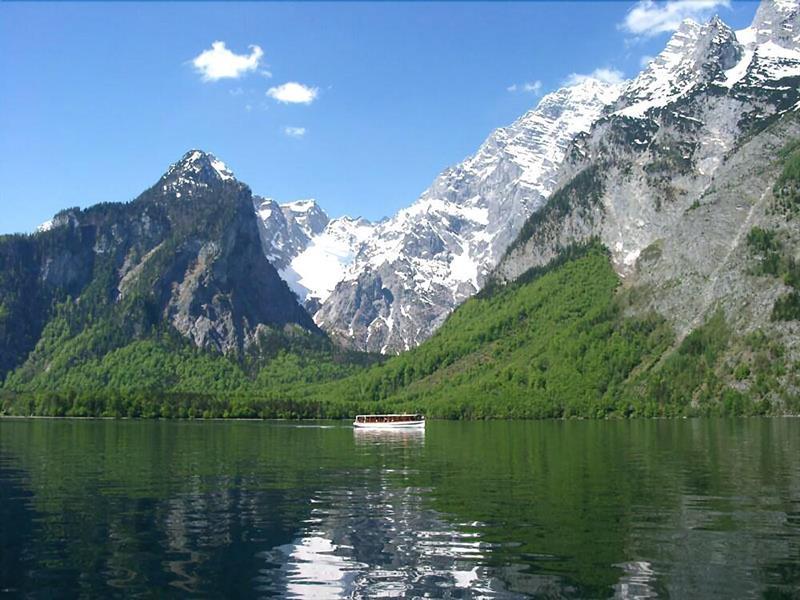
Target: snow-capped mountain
{"points": [[417, 266], [286, 229], [770, 65], [314, 272], [386, 287], [694, 55], [310, 250], [711, 54], [682, 167]]}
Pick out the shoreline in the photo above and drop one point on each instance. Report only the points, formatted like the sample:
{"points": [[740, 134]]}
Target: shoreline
{"points": [[347, 420]]}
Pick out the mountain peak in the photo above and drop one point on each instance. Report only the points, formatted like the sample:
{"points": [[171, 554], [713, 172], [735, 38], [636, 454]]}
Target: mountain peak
{"points": [[301, 206], [592, 88], [687, 27], [195, 169], [307, 215], [695, 54], [197, 161]]}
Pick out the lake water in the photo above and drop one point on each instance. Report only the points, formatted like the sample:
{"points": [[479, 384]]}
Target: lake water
{"points": [[639, 509]]}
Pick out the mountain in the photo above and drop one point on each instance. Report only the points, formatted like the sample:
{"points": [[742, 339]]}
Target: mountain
{"points": [[675, 130], [659, 275], [310, 250], [688, 182], [184, 257], [414, 268]]}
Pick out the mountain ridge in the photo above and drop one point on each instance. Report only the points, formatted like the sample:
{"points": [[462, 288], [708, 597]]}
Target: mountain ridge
{"points": [[135, 268], [429, 257], [675, 194]]}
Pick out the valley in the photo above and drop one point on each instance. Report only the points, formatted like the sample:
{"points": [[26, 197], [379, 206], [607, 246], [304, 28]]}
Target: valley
{"points": [[622, 249]]}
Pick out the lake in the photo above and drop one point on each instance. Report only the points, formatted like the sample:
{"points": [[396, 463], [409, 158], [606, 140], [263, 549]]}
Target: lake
{"points": [[577, 509]]}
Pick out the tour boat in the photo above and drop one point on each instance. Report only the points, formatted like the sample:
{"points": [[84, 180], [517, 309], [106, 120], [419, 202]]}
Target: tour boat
{"points": [[399, 421]]}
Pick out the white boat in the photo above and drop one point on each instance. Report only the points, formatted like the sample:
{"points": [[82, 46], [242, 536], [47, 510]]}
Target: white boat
{"points": [[397, 421]]}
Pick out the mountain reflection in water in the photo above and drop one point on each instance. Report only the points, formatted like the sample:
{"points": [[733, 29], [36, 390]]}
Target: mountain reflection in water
{"points": [[704, 508]]}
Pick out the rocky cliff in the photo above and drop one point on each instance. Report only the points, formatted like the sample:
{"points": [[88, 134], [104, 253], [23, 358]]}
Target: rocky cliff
{"points": [[680, 173], [186, 255], [415, 267]]}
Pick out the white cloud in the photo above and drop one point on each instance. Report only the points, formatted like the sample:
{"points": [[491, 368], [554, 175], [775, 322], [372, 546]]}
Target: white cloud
{"points": [[645, 60], [293, 93], [650, 18], [532, 87], [605, 75], [295, 132], [221, 63]]}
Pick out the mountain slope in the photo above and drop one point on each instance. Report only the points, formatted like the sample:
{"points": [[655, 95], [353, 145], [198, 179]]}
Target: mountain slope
{"points": [[640, 175], [550, 345], [676, 188], [310, 250], [418, 265], [184, 256]]}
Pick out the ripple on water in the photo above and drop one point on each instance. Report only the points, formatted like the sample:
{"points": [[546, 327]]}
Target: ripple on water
{"points": [[379, 543], [709, 508]]}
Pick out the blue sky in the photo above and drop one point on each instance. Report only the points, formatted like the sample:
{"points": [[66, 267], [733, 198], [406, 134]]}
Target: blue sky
{"points": [[98, 99]]}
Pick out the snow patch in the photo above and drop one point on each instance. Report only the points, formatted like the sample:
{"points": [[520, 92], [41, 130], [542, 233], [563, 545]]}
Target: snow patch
{"points": [[222, 170], [46, 226], [316, 270]]}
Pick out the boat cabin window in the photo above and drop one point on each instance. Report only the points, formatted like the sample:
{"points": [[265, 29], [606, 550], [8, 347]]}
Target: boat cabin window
{"points": [[387, 418]]}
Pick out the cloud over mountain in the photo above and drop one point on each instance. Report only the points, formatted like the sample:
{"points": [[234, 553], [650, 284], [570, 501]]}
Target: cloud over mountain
{"points": [[650, 18], [220, 63]]}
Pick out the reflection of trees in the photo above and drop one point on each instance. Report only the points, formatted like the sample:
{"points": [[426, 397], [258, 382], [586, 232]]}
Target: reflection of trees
{"points": [[16, 526], [576, 509], [592, 503], [134, 506], [379, 537], [736, 517]]}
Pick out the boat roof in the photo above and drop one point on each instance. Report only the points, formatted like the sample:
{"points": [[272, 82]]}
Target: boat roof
{"points": [[392, 415]]}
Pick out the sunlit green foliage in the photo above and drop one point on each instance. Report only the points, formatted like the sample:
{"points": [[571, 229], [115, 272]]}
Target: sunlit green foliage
{"points": [[556, 343], [685, 379], [774, 260]]}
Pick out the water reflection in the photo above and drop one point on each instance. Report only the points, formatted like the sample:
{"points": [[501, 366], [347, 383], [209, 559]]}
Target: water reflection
{"points": [[638, 581], [464, 510], [380, 543], [389, 437], [373, 537]]}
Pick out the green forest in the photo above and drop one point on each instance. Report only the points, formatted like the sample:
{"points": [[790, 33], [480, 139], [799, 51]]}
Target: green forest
{"points": [[554, 344]]}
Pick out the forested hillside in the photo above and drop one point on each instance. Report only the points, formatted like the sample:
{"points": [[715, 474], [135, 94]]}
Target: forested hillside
{"points": [[556, 343], [655, 272]]}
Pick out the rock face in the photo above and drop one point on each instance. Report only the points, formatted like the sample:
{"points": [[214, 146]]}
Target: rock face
{"points": [[310, 250], [682, 167], [414, 268], [185, 254], [628, 161], [219, 288]]}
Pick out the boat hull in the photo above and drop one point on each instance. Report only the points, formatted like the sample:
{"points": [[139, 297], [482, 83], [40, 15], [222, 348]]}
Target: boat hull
{"points": [[398, 425]]}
